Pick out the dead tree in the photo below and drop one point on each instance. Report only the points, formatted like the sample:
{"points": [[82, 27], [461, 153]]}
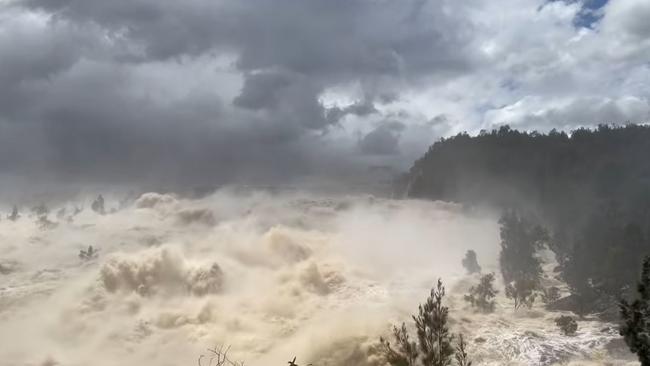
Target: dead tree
{"points": [[218, 357]]}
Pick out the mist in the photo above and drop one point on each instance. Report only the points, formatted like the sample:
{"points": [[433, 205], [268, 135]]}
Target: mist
{"points": [[291, 178], [270, 275]]}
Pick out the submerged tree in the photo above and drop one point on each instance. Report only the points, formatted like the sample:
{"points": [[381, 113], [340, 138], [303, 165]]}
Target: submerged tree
{"points": [[88, 254], [635, 315], [522, 291], [550, 295], [98, 205], [470, 263], [567, 324], [40, 210], [482, 295], [14, 216]]}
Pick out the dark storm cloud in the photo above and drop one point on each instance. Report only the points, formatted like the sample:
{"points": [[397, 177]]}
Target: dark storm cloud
{"points": [[83, 79], [383, 140]]}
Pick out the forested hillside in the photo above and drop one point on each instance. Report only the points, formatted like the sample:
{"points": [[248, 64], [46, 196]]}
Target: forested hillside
{"points": [[589, 188]]}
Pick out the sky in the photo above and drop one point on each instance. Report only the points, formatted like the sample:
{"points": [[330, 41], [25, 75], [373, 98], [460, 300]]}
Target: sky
{"points": [[207, 92]]}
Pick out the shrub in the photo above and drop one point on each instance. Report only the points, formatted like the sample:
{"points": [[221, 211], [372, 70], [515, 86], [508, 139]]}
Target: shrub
{"points": [[567, 324]]}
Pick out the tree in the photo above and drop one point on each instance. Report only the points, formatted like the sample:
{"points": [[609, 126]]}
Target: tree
{"points": [[550, 295], [14, 216], [482, 295], [40, 210], [88, 254], [462, 359], [522, 291], [635, 327], [567, 324], [433, 346], [406, 353], [520, 268], [565, 178], [470, 263], [98, 205], [432, 329]]}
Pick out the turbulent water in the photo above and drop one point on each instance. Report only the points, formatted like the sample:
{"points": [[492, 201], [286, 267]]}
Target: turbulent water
{"points": [[270, 276]]}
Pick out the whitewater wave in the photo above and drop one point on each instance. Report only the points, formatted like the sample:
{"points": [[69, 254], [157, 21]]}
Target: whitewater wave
{"points": [[319, 278]]}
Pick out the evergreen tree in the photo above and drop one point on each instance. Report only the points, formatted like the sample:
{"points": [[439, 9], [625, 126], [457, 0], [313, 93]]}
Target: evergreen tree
{"points": [[522, 291], [433, 331], [462, 359], [635, 327], [520, 268], [470, 263], [482, 295], [434, 341], [406, 353]]}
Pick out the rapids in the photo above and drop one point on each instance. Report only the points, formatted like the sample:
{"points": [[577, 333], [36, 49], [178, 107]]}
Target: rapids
{"points": [[271, 276]]}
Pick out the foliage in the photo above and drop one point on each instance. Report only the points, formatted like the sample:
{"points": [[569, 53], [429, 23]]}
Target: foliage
{"points": [[635, 327], [462, 359], [522, 291], [482, 295], [590, 188], [567, 324], [88, 254], [432, 329], [14, 216], [406, 353], [470, 263], [434, 341], [550, 295], [520, 268], [98, 205]]}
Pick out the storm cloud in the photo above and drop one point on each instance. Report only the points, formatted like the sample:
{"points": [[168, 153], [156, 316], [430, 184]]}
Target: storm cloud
{"points": [[209, 92]]}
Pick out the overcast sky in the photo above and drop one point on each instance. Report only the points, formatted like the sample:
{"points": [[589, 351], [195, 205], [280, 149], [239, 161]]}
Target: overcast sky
{"points": [[203, 91]]}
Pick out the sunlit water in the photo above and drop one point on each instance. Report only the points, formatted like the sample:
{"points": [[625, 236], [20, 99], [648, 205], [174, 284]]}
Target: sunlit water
{"points": [[271, 276]]}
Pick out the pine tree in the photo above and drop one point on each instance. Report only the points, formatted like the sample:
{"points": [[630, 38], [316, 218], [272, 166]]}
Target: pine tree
{"points": [[482, 295], [470, 263], [635, 327], [462, 359], [406, 352], [433, 331], [520, 268]]}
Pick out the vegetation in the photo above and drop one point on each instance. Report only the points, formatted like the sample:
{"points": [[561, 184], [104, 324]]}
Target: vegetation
{"points": [[88, 254], [589, 188], [550, 295], [482, 295], [14, 216], [520, 268], [522, 292], [567, 324], [462, 359], [470, 263], [635, 327], [434, 340], [98, 205]]}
